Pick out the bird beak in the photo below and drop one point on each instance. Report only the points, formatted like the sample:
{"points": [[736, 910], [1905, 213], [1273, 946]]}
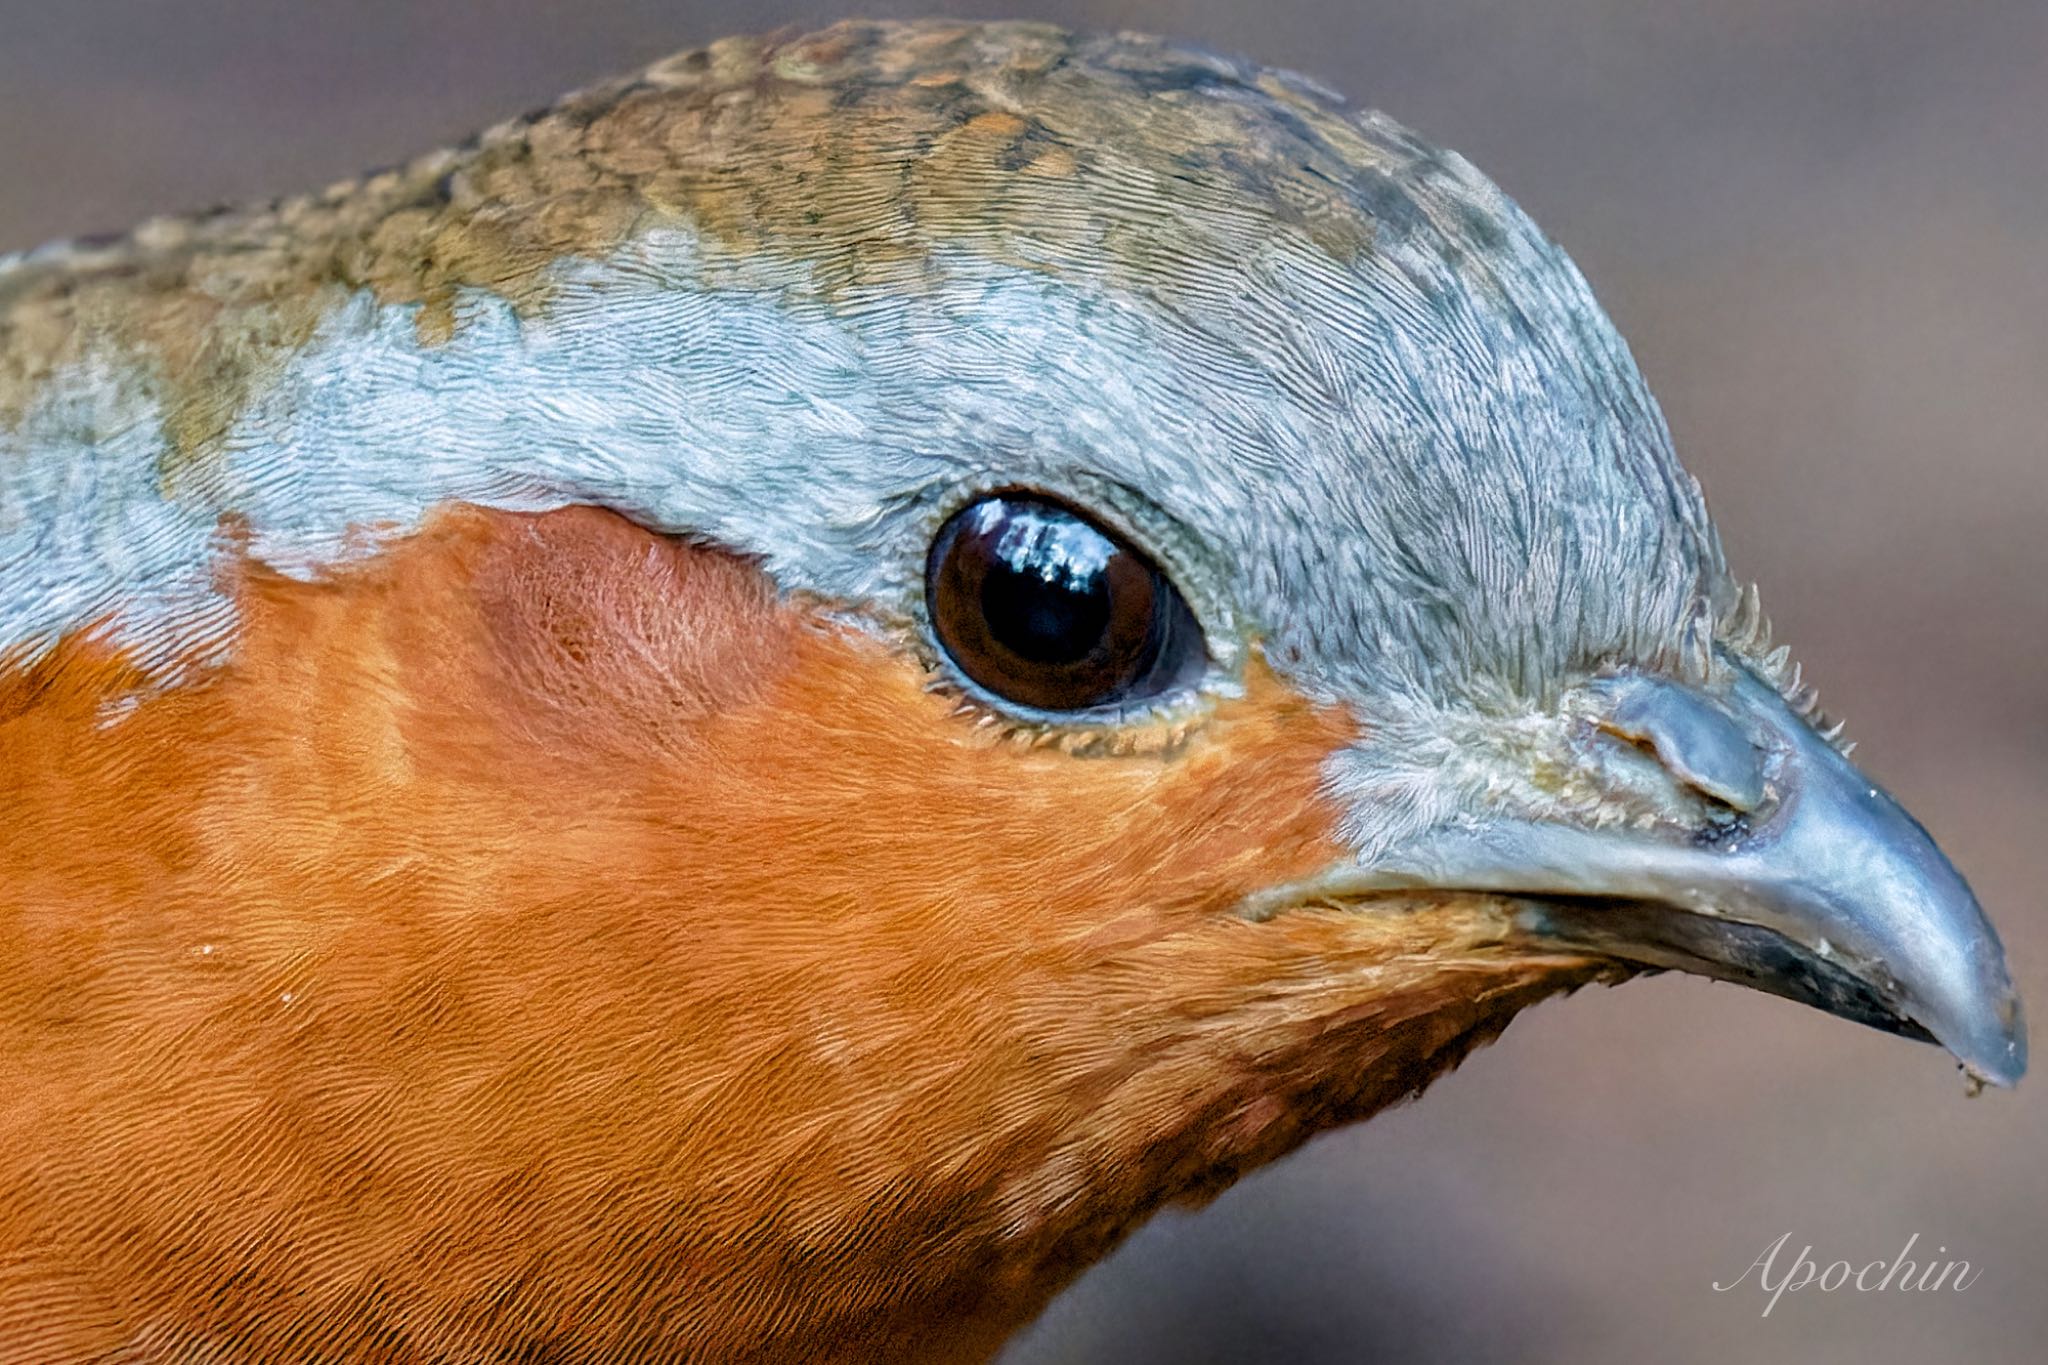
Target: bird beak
{"points": [[1809, 881]]}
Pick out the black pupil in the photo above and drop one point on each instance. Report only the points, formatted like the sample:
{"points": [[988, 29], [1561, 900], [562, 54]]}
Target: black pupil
{"points": [[1042, 613], [1041, 606]]}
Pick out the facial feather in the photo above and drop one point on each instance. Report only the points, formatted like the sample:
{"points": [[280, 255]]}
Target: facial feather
{"points": [[540, 934], [801, 300]]}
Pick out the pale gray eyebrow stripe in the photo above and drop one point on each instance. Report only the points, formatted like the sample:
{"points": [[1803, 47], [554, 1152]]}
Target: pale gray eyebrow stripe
{"points": [[744, 415], [1486, 502]]}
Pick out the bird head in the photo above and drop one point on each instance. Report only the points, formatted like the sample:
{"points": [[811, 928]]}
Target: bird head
{"points": [[892, 646]]}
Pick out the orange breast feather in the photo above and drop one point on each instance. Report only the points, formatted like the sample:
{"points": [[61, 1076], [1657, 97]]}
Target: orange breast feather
{"points": [[540, 938]]}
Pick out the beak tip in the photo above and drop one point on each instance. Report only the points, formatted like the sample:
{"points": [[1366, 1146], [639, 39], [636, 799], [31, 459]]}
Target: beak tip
{"points": [[2014, 1018], [1993, 1047]]}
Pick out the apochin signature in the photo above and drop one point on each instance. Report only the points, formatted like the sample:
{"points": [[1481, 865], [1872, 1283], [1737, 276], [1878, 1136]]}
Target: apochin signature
{"points": [[1872, 1278]]}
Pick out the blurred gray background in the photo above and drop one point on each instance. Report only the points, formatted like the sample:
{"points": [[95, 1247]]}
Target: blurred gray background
{"points": [[1823, 224]]}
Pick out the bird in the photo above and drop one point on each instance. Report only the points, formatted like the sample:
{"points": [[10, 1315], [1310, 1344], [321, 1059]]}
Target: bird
{"points": [[747, 717]]}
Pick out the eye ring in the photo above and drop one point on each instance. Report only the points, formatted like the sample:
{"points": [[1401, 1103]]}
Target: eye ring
{"points": [[1042, 606]]}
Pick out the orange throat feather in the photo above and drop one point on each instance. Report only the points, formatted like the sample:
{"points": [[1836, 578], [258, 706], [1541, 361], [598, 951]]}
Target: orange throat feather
{"points": [[757, 1010]]}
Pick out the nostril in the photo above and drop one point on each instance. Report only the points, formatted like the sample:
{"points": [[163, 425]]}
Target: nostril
{"points": [[1689, 735]]}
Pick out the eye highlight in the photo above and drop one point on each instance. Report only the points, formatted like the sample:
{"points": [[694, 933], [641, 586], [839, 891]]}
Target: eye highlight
{"points": [[1044, 607]]}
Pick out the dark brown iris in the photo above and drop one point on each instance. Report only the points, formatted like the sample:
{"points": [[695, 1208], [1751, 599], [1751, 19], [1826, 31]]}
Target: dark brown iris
{"points": [[1044, 607]]}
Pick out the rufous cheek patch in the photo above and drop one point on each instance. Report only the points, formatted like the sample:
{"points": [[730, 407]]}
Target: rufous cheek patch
{"points": [[540, 892]]}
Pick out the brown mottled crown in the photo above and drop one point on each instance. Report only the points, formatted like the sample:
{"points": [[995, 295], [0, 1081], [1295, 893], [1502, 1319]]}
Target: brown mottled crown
{"points": [[856, 148]]}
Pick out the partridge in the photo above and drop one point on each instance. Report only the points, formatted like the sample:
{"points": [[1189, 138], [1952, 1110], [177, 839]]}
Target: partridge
{"points": [[745, 718]]}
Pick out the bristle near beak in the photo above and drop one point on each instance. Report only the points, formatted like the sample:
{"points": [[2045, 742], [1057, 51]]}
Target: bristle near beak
{"points": [[1807, 881]]}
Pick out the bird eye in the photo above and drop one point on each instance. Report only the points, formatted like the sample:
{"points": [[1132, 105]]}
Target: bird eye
{"points": [[1045, 608]]}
